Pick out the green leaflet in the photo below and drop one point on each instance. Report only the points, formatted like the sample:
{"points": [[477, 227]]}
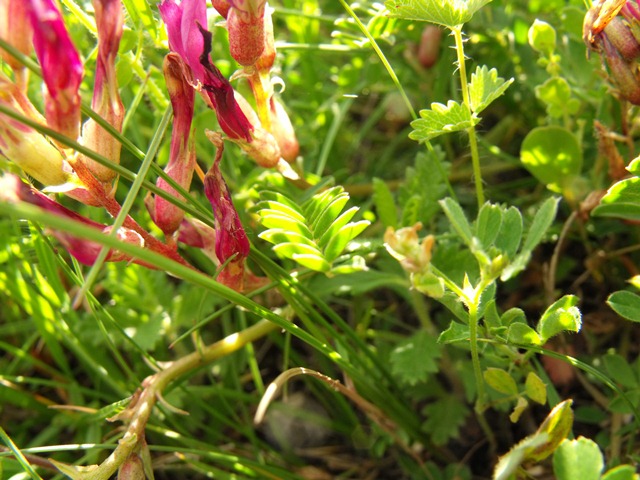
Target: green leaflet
{"points": [[313, 234]]}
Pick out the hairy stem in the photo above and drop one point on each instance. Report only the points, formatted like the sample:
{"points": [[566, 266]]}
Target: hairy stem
{"points": [[471, 131]]}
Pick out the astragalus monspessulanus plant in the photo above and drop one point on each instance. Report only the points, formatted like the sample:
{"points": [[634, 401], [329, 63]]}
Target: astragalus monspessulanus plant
{"points": [[64, 139]]}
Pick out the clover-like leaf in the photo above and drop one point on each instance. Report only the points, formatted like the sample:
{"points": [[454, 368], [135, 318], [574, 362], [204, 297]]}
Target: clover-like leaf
{"points": [[313, 234], [441, 119], [485, 87], [448, 13]]}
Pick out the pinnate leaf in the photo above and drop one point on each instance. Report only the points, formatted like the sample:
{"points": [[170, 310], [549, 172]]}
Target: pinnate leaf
{"points": [[313, 234]]}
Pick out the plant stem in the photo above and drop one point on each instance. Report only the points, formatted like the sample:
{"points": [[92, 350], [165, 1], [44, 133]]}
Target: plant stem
{"points": [[143, 401], [471, 131], [475, 358]]}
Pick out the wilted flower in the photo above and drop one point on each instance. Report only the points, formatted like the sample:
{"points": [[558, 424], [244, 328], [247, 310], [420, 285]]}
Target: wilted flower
{"points": [[62, 68], [232, 244], [106, 98], [182, 156], [612, 28]]}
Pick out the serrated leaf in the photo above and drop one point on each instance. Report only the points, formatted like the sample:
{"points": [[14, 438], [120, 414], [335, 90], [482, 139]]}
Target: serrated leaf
{"points": [[415, 358], [626, 304], [488, 224], [485, 87], [341, 239], [444, 419], [535, 388], [441, 119], [500, 381], [385, 204], [448, 13], [580, 458], [523, 334], [458, 219], [541, 222], [562, 316], [457, 332]]}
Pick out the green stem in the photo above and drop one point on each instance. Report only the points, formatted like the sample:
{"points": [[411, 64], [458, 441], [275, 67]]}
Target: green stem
{"points": [[471, 131], [475, 357]]}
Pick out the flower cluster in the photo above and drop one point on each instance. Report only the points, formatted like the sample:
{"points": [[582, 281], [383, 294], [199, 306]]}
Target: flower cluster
{"points": [[612, 29], [264, 134]]}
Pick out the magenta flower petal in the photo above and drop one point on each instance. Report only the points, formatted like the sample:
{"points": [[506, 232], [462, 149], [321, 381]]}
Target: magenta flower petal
{"points": [[182, 157], [219, 91], [182, 29], [62, 68]]}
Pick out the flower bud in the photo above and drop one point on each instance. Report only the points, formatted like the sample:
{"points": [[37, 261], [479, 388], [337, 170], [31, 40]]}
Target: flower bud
{"points": [[625, 74], [62, 69], [245, 24], [106, 98], [15, 29], [622, 39]]}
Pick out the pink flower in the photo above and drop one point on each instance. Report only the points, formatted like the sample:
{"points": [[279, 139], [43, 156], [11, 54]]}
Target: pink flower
{"points": [[182, 157], [106, 98], [62, 68], [189, 38]]}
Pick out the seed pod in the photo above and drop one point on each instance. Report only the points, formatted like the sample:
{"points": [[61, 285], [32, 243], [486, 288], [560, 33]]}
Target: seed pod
{"points": [[429, 47]]}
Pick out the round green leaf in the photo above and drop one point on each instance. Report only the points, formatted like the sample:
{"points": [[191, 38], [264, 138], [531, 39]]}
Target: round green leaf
{"points": [[552, 155]]}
